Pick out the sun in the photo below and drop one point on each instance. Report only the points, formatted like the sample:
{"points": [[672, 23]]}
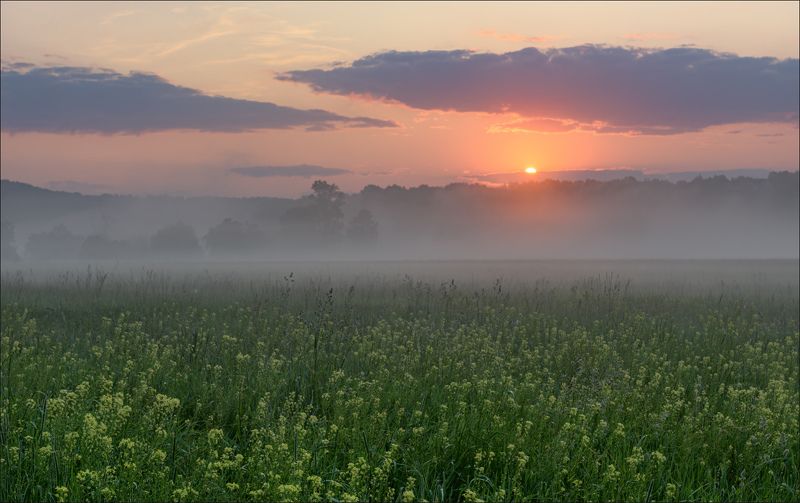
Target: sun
{"points": [[530, 170]]}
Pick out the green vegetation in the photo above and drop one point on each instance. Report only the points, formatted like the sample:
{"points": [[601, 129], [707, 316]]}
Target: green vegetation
{"points": [[215, 388]]}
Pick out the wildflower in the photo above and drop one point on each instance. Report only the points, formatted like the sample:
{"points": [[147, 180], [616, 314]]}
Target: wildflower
{"points": [[288, 492], [214, 436], [611, 473], [184, 493], [158, 456], [61, 494], [636, 457], [671, 490], [166, 404], [471, 496], [408, 494], [522, 460]]}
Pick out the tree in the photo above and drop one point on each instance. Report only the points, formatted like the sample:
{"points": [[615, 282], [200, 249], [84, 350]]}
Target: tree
{"points": [[8, 250], [320, 217], [59, 243], [363, 229], [176, 240], [233, 237]]}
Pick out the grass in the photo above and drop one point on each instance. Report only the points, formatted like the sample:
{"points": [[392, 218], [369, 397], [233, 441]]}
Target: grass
{"points": [[157, 386]]}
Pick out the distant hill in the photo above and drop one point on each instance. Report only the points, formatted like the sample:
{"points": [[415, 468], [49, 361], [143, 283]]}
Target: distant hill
{"points": [[22, 202], [33, 209]]}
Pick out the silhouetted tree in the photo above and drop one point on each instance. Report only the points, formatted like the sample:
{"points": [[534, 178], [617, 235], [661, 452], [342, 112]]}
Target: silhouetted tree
{"points": [[176, 240], [320, 217], [8, 250], [363, 229], [59, 243], [234, 237]]}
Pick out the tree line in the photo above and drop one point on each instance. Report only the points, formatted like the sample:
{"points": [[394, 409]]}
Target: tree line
{"points": [[316, 222], [704, 217]]}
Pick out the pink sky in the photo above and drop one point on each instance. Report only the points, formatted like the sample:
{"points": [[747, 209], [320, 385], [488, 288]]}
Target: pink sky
{"points": [[455, 117]]}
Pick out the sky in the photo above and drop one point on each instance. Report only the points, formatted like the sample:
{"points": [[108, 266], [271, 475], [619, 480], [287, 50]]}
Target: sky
{"points": [[260, 99]]}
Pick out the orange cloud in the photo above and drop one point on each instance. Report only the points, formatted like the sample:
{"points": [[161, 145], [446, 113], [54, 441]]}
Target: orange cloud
{"points": [[547, 125], [537, 125]]}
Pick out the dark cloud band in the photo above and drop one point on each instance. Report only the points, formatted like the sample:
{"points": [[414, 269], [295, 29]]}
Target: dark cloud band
{"points": [[599, 88], [84, 100], [300, 170]]}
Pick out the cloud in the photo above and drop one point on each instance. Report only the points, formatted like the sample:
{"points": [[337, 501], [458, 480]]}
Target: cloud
{"points": [[17, 65], [85, 100], [223, 28], [300, 170], [546, 125], [573, 175], [610, 89], [539, 125]]}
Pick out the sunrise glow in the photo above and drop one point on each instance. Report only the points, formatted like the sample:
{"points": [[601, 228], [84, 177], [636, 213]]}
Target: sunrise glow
{"points": [[278, 225], [304, 93]]}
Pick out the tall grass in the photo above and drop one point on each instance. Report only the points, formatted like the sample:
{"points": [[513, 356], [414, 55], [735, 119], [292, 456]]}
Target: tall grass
{"points": [[215, 388]]}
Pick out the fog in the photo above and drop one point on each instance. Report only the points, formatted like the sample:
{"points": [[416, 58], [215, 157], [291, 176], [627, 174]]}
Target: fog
{"points": [[623, 219]]}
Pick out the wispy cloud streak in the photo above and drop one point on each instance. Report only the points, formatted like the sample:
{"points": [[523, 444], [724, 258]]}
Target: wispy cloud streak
{"points": [[299, 170]]}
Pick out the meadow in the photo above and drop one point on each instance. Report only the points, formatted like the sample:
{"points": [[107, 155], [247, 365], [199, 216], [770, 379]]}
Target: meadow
{"points": [[401, 382]]}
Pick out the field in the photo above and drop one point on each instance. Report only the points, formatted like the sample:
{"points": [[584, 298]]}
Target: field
{"points": [[400, 382]]}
